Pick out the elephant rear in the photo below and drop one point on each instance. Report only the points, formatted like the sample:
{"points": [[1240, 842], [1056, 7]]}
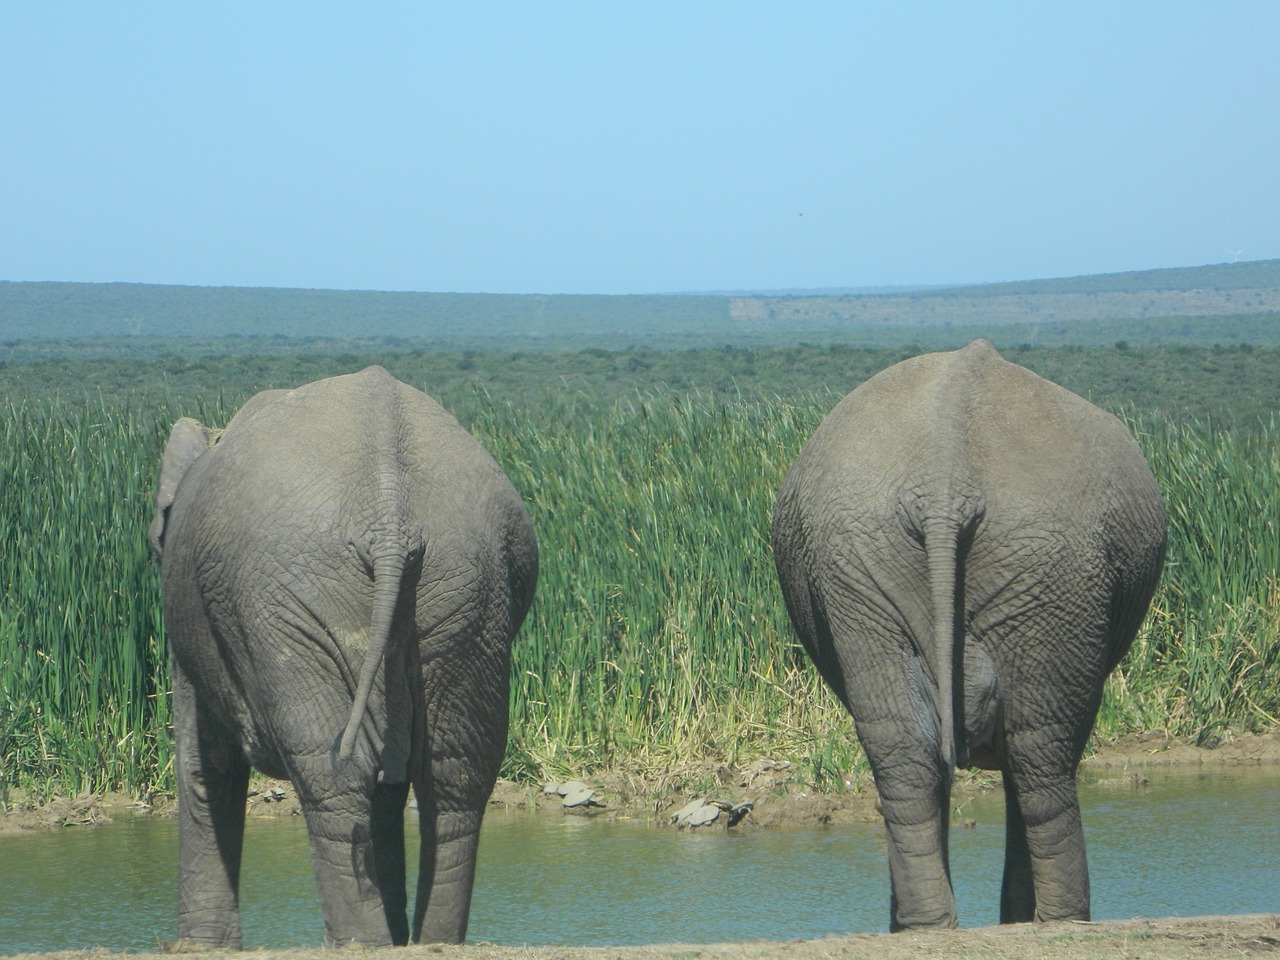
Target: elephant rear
{"points": [[966, 550], [334, 515], [327, 559]]}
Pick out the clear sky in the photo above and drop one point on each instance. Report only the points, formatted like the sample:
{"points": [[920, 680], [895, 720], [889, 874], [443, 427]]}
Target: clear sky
{"points": [[620, 147]]}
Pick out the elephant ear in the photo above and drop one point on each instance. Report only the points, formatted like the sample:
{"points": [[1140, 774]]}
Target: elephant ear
{"points": [[188, 441]]}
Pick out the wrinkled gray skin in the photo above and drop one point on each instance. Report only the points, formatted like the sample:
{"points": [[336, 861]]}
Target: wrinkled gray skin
{"points": [[344, 569], [966, 551]]}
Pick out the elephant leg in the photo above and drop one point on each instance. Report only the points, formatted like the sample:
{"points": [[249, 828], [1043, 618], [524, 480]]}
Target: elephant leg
{"points": [[213, 782], [917, 824], [467, 736], [1043, 808], [899, 733], [1017, 893], [356, 834], [389, 857], [447, 868]]}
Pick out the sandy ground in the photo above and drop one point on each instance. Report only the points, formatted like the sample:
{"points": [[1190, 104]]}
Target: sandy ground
{"points": [[779, 800], [1256, 935]]}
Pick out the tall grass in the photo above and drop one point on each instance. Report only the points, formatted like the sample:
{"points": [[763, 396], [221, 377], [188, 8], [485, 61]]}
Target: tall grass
{"points": [[1208, 658], [80, 675], [658, 635]]}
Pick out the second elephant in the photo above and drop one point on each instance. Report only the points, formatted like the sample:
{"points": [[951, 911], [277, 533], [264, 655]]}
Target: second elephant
{"points": [[343, 571], [967, 551]]}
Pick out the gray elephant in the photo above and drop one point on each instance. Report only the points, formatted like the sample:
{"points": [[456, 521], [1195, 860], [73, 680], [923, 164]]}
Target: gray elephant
{"points": [[343, 569], [966, 551]]}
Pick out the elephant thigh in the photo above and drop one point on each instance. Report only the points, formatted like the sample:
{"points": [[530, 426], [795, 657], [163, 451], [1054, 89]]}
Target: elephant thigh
{"points": [[895, 717]]}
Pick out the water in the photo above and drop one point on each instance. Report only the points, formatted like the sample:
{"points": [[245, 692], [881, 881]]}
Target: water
{"points": [[1182, 846]]}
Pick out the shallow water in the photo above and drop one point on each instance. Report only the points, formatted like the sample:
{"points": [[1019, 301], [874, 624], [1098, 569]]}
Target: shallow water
{"points": [[1184, 845]]}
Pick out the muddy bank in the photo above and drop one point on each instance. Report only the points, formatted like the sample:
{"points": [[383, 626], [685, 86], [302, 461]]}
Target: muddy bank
{"points": [[1153, 749], [762, 795], [1256, 935], [777, 797]]}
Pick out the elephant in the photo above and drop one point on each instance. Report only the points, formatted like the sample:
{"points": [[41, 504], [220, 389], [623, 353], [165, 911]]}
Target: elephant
{"points": [[343, 571], [966, 551]]}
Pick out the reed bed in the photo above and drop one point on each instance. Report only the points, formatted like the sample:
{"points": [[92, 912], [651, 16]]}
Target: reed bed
{"points": [[658, 634], [658, 637], [82, 667], [1207, 660]]}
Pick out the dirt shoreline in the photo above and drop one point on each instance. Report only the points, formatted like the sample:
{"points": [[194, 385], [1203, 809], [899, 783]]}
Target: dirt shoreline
{"points": [[774, 790], [1246, 935]]}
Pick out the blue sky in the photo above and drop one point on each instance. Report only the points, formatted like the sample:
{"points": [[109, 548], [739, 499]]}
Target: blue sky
{"points": [[633, 147]]}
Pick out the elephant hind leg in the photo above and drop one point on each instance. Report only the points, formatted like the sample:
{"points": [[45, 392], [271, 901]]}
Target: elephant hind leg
{"points": [[447, 869], [1017, 893], [899, 732], [213, 783], [465, 697], [920, 892], [387, 823], [915, 800], [1046, 870], [357, 853]]}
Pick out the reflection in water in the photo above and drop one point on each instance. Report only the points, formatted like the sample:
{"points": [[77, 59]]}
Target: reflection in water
{"points": [[1184, 845]]}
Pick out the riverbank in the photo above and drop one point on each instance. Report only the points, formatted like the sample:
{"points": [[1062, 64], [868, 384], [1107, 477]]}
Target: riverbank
{"points": [[773, 793], [1253, 935]]}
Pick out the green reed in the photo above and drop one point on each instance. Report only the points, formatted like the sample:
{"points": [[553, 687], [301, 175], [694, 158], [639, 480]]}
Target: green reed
{"points": [[1208, 658], [658, 636], [79, 613], [658, 633]]}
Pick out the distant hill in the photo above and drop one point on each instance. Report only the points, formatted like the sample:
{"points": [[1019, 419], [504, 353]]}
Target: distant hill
{"points": [[1222, 276], [1233, 302], [1251, 274], [1142, 300]]}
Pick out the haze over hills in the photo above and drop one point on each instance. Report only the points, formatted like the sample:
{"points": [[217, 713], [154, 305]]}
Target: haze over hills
{"points": [[1232, 302]]}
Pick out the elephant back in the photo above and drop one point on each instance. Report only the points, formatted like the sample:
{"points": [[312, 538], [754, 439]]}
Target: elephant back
{"points": [[970, 418], [305, 456]]}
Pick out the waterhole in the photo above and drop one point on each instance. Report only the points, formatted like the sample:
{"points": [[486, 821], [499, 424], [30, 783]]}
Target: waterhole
{"points": [[1183, 845]]}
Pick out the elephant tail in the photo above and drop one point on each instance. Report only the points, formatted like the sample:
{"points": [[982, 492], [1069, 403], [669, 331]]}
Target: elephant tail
{"points": [[943, 538], [389, 567]]}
